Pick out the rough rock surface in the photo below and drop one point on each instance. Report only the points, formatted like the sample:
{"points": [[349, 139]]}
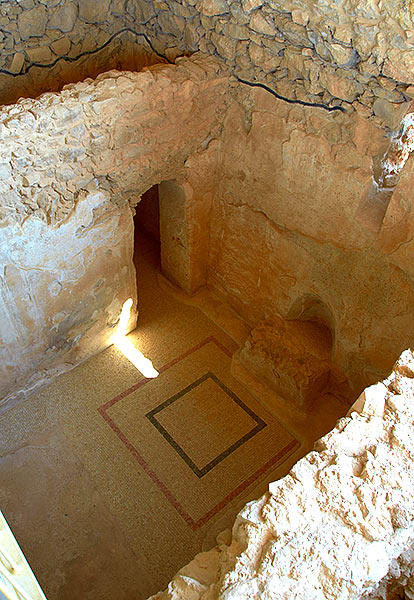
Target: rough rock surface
{"points": [[339, 526], [355, 55], [292, 356]]}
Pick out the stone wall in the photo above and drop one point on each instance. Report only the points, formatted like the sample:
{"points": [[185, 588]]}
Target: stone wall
{"points": [[298, 218], [295, 185], [346, 55], [62, 290], [340, 525], [45, 45], [73, 165]]}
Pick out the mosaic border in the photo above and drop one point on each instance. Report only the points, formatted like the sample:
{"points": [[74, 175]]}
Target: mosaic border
{"points": [[283, 453], [260, 424]]}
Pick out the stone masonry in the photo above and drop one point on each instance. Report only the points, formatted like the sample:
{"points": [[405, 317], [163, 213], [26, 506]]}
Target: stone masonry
{"points": [[348, 54]]}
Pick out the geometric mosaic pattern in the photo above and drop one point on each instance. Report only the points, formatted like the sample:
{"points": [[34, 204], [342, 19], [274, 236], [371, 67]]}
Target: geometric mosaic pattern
{"points": [[203, 443], [152, 416]]}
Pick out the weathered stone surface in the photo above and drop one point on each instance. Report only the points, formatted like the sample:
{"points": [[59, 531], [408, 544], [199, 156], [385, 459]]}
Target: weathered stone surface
{"points": [[211, 8], [340, 525], [61, 46], [237, 32], [249, 5], [261, 24], [63, 18], [94, 12], [39, 54], [71, 162], [226, 47], [32, 23], [342, 56], [264, 58], [345, 50], [17, 63], [293, 357]]}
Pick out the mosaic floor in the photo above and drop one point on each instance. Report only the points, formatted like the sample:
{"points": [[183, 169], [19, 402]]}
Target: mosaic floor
{"points": [[111, 481]]}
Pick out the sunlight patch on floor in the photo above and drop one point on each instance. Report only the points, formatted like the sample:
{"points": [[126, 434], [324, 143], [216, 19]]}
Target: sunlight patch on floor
{"points": [[140, 362]]}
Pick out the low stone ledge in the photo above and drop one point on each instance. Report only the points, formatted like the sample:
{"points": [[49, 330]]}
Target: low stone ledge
{"points": [[292, 356]]}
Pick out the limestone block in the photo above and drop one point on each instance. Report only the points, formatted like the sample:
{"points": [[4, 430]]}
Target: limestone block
{"points": [[94, 12], [160, 5], [249, 5], [272, 44], [237, 32], [170, 23], [337, 85], [191, 37], [61, 46], [144, 11], [261, 24], [342, 56], [300, 17], [226, 47], [291, 356], [343, 33], [32, 23], [240, 17], [211, 8], [263, 58], [17, 62], [28, 4], [63, 17], [181, 10], [39, 54]]}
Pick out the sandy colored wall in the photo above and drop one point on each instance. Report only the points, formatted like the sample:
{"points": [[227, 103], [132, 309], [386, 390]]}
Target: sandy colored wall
{"points": [[289, 223], [72, 165], [45, 45], [62, 291], [355, 55]]}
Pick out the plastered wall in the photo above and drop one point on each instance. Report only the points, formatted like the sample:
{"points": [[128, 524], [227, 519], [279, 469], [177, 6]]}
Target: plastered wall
{"points": [[290, 223], [73, 166]]}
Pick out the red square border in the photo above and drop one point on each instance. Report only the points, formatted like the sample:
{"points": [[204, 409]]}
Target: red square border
{"points": [[195, 525]]}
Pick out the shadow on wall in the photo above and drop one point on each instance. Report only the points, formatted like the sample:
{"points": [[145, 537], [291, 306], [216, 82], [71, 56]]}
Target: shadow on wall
{"points": [[311, 308], [294, 355], [171, 214], [120, 52]]}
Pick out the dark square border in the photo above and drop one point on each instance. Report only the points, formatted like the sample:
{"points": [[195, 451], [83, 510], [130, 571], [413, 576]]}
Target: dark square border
{"points": [[201, 472]]}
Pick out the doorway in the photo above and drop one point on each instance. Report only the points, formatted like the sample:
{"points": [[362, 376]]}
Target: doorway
{"points": [[147, 224], [176, 224]]}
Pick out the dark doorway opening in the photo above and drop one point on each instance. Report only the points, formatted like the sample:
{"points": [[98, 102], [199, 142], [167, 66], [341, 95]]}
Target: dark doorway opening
{"points": [[147, 220]]}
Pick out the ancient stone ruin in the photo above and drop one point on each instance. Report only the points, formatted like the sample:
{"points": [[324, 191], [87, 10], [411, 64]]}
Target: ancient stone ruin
{"points": [[277, 136]]}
